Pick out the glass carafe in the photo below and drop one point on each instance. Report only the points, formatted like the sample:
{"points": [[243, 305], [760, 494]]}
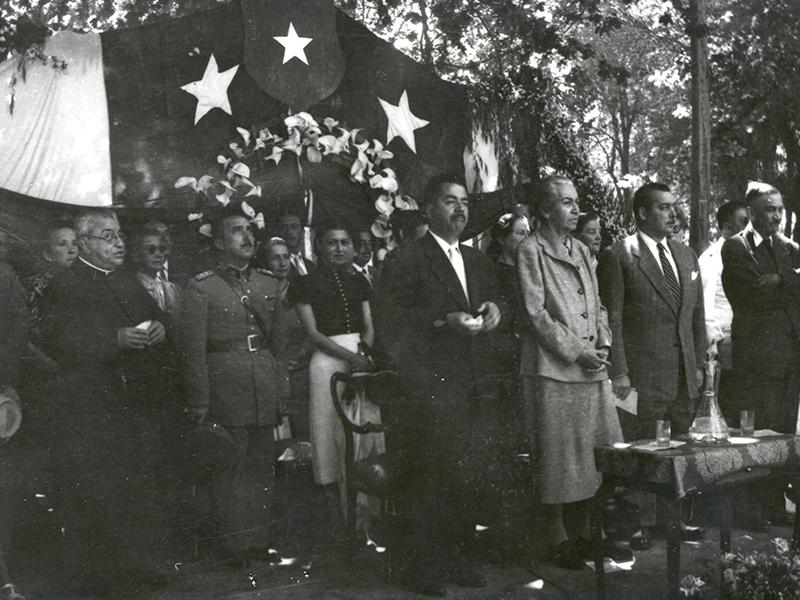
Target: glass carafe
{"points": [[709, 426]]}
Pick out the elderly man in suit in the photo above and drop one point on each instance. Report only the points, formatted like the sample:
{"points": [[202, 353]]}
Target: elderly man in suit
{"points": [[230, 327], [652, 289], [106, 334], [760, 277], [443, 300]]}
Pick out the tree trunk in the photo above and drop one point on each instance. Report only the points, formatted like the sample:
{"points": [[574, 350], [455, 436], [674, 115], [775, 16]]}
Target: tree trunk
{"points": [[701, 127]]}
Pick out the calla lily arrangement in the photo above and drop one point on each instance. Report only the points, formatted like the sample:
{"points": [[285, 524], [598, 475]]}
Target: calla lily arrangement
{"points": [[305, 138]]}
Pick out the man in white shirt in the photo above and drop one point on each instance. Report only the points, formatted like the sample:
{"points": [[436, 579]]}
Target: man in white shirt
{"points": [[363, 262], [443, 301], [761, 280], [652, 289], [292, 231], [731, 219]]}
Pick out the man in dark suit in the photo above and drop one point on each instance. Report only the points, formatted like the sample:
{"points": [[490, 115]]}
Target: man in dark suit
{"points": [[652, 290], [761, 281], [230, 326], [292, 231], [106, 334], [443, 301]]}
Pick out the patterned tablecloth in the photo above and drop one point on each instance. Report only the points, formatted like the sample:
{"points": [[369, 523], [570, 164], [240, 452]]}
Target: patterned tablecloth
{"points": [[694, 467]]}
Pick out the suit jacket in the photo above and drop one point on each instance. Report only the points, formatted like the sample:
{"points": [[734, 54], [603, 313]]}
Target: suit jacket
{"points": [[236, 387], [419, 287], [651, 333], [563, 315], [764, 318]]}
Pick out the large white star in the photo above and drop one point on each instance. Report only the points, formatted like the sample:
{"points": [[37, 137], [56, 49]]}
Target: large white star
{"points": [[293, 45], [402, 122], [212, 90]]}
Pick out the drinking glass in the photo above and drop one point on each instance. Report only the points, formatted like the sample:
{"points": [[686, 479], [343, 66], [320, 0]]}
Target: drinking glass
{"points": [[663, 433], [747, 420]]}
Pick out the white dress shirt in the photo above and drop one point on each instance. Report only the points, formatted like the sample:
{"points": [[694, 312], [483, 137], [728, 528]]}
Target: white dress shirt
{"points": [[453, 253], [652, 245], [299, 264], [366, 270], [718, 310]]}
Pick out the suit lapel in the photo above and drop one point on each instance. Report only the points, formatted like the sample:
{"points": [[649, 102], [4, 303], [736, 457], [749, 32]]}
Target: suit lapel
{"points": [[443, 270], [651, 270], [554, 248], [472, 277]]}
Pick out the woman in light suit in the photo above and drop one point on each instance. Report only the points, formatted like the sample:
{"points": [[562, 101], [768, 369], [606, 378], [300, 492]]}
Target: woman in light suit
{"points": [[565, 384]]}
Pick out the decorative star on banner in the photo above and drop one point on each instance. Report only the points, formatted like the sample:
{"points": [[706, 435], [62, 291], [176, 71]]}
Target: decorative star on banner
{"points": [[402, 122], [293, 45], [212, 90]]}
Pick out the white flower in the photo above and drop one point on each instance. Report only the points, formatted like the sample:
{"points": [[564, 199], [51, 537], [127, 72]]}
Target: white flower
{"points": [[240, 169]]}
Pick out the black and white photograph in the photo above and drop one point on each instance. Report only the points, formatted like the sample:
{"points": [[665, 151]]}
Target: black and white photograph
{"points": [[395, 299]]}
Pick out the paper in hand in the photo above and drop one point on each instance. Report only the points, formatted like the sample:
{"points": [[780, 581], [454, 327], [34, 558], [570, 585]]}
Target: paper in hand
{"points": [[631, 402]]}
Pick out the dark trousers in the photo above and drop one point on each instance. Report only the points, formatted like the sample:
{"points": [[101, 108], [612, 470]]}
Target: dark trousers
{"points": [[768, 380], [243, 493], [679, 412], [453, 469]]}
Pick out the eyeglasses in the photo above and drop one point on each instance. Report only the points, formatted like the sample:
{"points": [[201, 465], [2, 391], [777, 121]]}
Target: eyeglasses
{"points": [[152, 249], [111, 237]]}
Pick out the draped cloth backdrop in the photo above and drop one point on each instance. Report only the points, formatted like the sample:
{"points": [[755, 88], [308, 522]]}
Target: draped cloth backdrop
{"points": [[136, 109]]}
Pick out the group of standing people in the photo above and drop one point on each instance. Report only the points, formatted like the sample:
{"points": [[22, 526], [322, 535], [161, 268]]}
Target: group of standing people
{"points": [[528, 350]]}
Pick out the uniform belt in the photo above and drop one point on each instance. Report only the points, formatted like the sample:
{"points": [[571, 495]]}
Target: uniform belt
{"points": [[252, 343]]}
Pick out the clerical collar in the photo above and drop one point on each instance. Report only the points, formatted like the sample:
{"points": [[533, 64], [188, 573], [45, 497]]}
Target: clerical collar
{"points": [[95, 267]]}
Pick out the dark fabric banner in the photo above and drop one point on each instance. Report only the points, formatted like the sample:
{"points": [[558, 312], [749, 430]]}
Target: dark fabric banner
{"points": [[154, 139]]}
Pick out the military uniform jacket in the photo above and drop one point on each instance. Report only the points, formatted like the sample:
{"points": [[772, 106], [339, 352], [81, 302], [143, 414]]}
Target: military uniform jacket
{"points": [[237, 387]]}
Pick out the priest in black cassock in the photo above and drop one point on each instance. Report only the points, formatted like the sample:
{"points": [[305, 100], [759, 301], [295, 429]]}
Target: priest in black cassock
{"points": [[107, 336]]}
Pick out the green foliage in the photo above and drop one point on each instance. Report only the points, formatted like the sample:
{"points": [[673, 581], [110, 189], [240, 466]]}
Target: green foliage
{"points": [[754, 96]]}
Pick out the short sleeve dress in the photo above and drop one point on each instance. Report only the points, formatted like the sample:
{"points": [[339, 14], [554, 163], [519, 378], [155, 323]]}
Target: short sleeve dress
{"points": [[336, 298]]}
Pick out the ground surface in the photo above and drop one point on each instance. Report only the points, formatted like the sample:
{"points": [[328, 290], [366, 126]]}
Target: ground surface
{"points": [[335, 578]]}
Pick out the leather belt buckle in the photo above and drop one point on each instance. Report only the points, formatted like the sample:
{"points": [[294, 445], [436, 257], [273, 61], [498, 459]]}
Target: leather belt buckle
{"points": [[253, 342]]}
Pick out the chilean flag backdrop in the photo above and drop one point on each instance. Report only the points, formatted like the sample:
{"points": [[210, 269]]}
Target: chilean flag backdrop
{"points": [[117, 127]]}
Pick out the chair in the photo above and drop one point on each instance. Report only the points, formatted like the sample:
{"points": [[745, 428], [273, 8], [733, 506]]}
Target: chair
{"points": [[380, 475]]}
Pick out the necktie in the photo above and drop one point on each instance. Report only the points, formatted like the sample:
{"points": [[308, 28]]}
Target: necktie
{"points": [[771, 249], [669, 274], [299, 265], [454, 254]]}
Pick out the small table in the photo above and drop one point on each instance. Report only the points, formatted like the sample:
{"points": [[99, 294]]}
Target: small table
{"points": [[689, 470]]}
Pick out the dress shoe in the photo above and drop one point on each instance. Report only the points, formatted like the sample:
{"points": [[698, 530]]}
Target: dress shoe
{"points": [[692, 533], [567, 555], [462, 573], [608, 549], [640, 540], [689, 533]]}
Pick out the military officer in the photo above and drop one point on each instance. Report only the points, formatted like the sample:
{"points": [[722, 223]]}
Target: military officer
{"points": [[230, 328]]}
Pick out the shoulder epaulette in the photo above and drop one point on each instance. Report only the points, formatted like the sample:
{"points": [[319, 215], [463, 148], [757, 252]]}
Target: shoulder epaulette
{"points": [[203, 275], [266, 272]]}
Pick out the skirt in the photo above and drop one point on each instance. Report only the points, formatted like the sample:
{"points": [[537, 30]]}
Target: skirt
{"points": [[566, 421], [326, 431]]}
